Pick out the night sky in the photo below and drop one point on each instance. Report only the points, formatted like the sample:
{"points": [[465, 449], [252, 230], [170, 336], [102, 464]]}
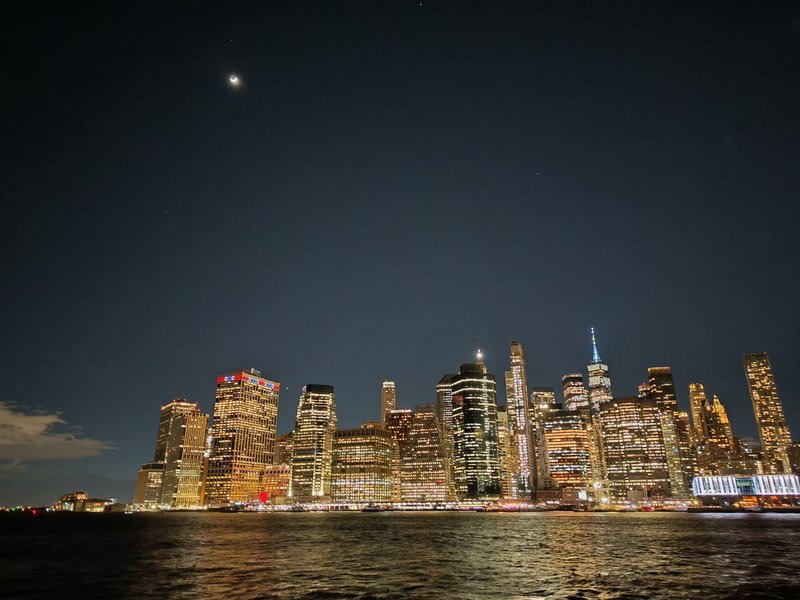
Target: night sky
{"points": [[394, 185]]}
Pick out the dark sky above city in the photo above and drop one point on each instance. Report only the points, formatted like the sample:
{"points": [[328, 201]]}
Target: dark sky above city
{"points": [[394, 185]]}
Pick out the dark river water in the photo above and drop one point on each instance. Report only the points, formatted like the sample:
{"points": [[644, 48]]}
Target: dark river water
{"points": [[401, 555]]}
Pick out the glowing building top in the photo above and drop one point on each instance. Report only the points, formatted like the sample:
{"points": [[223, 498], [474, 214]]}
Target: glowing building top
{"points": [[595, 353]]}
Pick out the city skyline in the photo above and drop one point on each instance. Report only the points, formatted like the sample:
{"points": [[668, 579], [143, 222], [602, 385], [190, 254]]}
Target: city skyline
{"points": [[631, 169], [466, 447], [683, 399]]}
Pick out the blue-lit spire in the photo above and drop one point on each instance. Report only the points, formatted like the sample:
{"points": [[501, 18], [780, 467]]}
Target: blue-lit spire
{"points": [[595, 354]]}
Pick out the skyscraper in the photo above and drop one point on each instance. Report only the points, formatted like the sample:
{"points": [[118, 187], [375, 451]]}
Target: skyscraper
{"points": [[576, 396], [681, 454], [599, 379], [388, 399], [312, 444], [475, 453], [770, 420], [508, 458], [697, 403], [424, 471], [633, 443], [185, 458], [725, 423], [398, 422], [519, 423], [362, 468], [243, 437], [444, 416], [568, 444], [542, 401]]}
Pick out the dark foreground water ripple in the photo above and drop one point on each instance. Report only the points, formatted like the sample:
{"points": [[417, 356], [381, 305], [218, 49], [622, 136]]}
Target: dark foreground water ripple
{"points": [[575, 556]]}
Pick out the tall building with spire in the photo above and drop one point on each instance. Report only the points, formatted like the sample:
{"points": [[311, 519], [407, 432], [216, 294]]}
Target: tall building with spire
{"points": [[770, 420], [312, 444], [599, 379], [243, 437], [523, 454], [388, 399], [475, 451]]}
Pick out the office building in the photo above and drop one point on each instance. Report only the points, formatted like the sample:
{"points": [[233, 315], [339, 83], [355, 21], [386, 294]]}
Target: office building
{"points": [[424, 471], [275, 484], [388, 399], [312, 451], [770, 420], [508, 458], [362, 470], [633, 447], [243, 438], [576, 396], [568, 446], [475, 454], [185, 457], [148, 485], [522, 456]]}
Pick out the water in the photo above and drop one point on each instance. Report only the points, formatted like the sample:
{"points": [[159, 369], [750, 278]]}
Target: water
{"points": [[620, 556]]}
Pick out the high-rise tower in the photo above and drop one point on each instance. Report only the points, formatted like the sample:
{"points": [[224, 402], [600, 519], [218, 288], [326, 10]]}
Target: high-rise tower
{"points": [[599, 379], [243, 437], [184, 454], [772, 428], [522, 465], [576, 396], [312, 444], [475, 452], [388, 399], [635, 455], [677, 438]]}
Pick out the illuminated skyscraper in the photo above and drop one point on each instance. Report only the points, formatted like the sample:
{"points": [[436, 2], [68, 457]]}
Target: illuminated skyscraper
{"points": [[444, 415], [522, 456], [475, 452], [725, 423], [508, 458], [388, 399], [243, 437], [363, 465], [599, 379], [697, 403], [398, 422], [681, 454], [772, 428], [312, 444], [185, 459], [633, 441], [576, 396], [424, 472], [568, 444], [542, 401]]}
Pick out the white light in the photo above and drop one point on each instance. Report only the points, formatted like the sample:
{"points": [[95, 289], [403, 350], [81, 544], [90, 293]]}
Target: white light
{"points": [[234, 80]]}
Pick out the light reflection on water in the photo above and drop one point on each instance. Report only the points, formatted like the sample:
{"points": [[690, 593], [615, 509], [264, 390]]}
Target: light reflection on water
{"points": [[620, 556]]}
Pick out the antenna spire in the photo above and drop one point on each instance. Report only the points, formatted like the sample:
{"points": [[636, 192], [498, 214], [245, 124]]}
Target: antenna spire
{"points": [[595, 353]]}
